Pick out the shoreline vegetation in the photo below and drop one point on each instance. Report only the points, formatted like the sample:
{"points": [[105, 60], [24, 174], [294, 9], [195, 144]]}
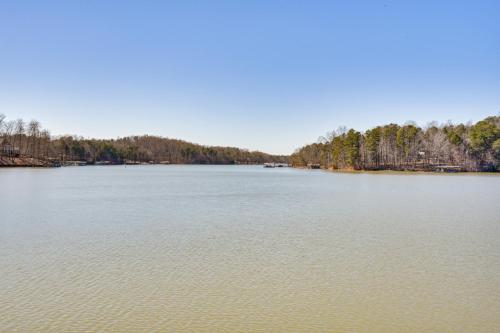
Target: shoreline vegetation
{"points": [[27, 144], [438, 148]]}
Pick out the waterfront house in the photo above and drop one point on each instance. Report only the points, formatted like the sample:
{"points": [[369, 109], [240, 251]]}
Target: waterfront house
{"points": [[7, 149]]}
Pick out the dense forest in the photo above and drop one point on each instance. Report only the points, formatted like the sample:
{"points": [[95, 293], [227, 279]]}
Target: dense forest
{"points": [[448, 147], [20, 139]]}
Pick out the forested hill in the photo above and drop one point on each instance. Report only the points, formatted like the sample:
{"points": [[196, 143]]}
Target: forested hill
{"points": [[29, 140], [462, 147]]}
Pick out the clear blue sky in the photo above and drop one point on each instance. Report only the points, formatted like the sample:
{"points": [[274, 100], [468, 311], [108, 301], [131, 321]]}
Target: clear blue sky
{"points": [[266, 75]]}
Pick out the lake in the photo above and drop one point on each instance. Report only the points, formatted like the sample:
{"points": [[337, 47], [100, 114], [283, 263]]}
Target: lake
{"points": [[247, 249]]}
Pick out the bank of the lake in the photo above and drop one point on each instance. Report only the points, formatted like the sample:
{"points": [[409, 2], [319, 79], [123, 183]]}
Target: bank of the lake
{"points": [[401, 172], [26, 162]]}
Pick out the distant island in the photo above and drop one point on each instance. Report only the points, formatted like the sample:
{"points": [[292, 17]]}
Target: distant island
{"points": [[448, 147], [28, 144]]}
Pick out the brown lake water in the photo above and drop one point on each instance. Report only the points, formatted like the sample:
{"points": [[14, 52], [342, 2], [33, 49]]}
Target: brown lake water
{"points": [[247, 249]]}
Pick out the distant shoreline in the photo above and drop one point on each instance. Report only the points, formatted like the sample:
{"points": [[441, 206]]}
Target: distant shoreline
{"points": [[393, 171], [24, 162], [29, 162], [40, 164]]}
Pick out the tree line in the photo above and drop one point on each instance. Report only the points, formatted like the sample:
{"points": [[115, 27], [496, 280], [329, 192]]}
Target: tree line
{"points": [[461, 147], [28, 139]]}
